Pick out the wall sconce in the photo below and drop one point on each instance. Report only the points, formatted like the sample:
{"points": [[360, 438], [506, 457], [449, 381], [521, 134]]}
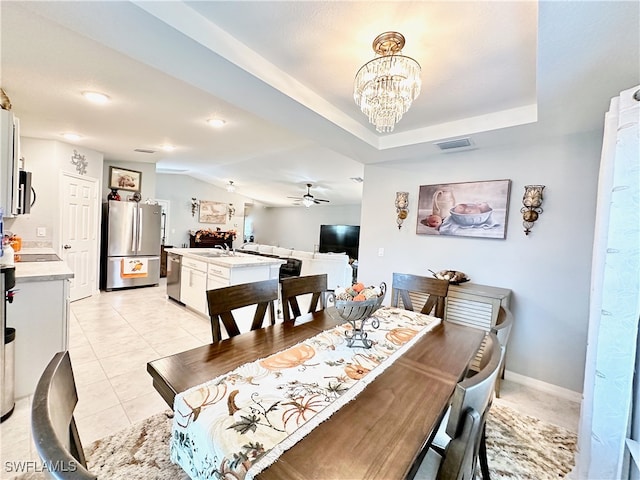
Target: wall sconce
{"points": [[402, 207], [531, 200], [194, 206], [231, 210]]}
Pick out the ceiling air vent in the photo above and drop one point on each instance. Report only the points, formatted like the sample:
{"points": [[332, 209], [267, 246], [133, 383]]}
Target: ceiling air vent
{"points": [[170, 170], [144, 150], [455, 144]]}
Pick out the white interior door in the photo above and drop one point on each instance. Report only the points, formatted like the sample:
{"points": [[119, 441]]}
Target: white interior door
{"points": [[79, 227]]}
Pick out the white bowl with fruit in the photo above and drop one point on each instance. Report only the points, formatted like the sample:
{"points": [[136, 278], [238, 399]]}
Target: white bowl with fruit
{"points": [[471, 214]]}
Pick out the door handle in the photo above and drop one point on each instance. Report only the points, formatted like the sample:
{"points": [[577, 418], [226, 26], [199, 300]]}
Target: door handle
{"points": [[139, 229], [134, 231], [66, 247]]}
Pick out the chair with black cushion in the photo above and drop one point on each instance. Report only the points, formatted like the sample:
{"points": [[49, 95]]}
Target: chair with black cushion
{"points": [[464, 424], [294, 287], [419, 294], [292, 268], [52, 423], [222, 302]]}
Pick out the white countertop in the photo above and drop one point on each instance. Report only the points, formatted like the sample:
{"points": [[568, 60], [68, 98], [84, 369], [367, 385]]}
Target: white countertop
{"points": [[237, 260], [41, 271]]}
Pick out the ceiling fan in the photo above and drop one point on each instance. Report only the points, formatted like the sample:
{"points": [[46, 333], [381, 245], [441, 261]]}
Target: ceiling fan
{"points": [[308, 199]]}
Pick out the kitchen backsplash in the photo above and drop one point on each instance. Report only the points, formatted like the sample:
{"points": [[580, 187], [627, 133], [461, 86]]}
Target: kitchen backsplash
{"points": [[37, 244]]}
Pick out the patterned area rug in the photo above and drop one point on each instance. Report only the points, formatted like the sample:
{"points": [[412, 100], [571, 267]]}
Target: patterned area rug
{"points": [[519, 448]]}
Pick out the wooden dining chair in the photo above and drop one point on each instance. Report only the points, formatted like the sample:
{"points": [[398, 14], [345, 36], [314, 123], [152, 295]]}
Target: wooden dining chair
{"points": [[460, 439], [419, 294], [293, 288], [52, 423], [502, 329], [222, 302]]}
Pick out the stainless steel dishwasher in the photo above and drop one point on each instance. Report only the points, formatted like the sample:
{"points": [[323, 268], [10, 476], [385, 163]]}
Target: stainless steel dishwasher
{"points": [[174, 266]]}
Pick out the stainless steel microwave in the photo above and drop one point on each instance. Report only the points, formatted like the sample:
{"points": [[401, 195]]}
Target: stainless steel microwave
{"points": [[26, 194]]}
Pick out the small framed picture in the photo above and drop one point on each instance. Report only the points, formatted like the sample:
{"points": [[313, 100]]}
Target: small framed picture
{"points": [[123, 179]]}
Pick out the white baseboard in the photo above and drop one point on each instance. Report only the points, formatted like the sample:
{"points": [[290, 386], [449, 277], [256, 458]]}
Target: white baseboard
{"points": [[543, 386]]}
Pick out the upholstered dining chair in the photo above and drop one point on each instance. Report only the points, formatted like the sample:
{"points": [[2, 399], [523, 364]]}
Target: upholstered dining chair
{"points": [[429, 292], [222, 302], [460, 440], [294, 287], [52, 423]]}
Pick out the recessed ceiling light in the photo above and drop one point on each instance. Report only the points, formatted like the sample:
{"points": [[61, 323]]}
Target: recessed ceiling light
{"points": [[216, 122], [168, 148], [96, 97], [357, 179], [74, 137]]}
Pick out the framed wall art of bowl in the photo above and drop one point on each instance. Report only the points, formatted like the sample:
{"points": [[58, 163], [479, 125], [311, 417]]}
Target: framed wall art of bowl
{"points": [[466, 209]]}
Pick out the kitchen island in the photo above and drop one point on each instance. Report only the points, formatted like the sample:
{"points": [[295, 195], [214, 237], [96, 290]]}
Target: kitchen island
{"points": [[40, 314], [204, 269]]}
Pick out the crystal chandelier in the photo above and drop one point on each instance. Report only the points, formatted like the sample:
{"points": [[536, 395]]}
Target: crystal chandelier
{"points": [[385, 87]]}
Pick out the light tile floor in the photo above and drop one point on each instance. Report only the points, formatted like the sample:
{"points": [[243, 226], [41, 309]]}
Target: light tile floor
{"points": [[112, 337]]}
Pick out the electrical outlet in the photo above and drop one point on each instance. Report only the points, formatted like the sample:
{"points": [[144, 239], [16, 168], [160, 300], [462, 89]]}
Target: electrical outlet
{"points": [[41, 232], [381, 252]]}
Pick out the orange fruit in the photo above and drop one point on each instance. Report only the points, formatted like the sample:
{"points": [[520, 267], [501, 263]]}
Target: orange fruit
{"points": [[359, 298], [358, 287]]}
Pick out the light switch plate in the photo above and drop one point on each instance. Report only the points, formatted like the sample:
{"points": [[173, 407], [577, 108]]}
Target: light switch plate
{"points": [[41, 232]]}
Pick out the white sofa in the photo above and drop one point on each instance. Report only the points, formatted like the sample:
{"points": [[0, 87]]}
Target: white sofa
{"points": [[335, 265]]}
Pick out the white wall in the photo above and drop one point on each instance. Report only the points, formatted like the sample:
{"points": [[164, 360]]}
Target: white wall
{"points": [[299, 227], [178, 190], [47, 159], [548, 271]]}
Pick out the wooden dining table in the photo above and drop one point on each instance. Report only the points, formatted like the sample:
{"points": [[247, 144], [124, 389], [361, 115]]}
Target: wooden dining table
{"points": [[381, 434]]}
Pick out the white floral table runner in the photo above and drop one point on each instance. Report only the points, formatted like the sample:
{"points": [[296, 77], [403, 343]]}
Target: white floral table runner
{"points": [[238, 424]]}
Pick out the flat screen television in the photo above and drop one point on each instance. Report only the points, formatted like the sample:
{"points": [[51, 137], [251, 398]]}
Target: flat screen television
{"points": [[340, 239]]}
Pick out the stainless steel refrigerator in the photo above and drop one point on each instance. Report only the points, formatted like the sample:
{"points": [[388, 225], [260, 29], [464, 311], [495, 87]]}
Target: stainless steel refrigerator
{"points": [[130, 245]]}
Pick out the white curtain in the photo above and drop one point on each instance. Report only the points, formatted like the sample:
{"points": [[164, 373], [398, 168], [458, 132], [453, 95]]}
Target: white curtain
{"points": [[609, 399]]}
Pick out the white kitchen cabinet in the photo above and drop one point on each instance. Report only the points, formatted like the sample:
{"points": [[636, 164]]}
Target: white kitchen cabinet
{"points": [[9, 163], [219, 276], [193, 285], [40, 315], [205, 269]]}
